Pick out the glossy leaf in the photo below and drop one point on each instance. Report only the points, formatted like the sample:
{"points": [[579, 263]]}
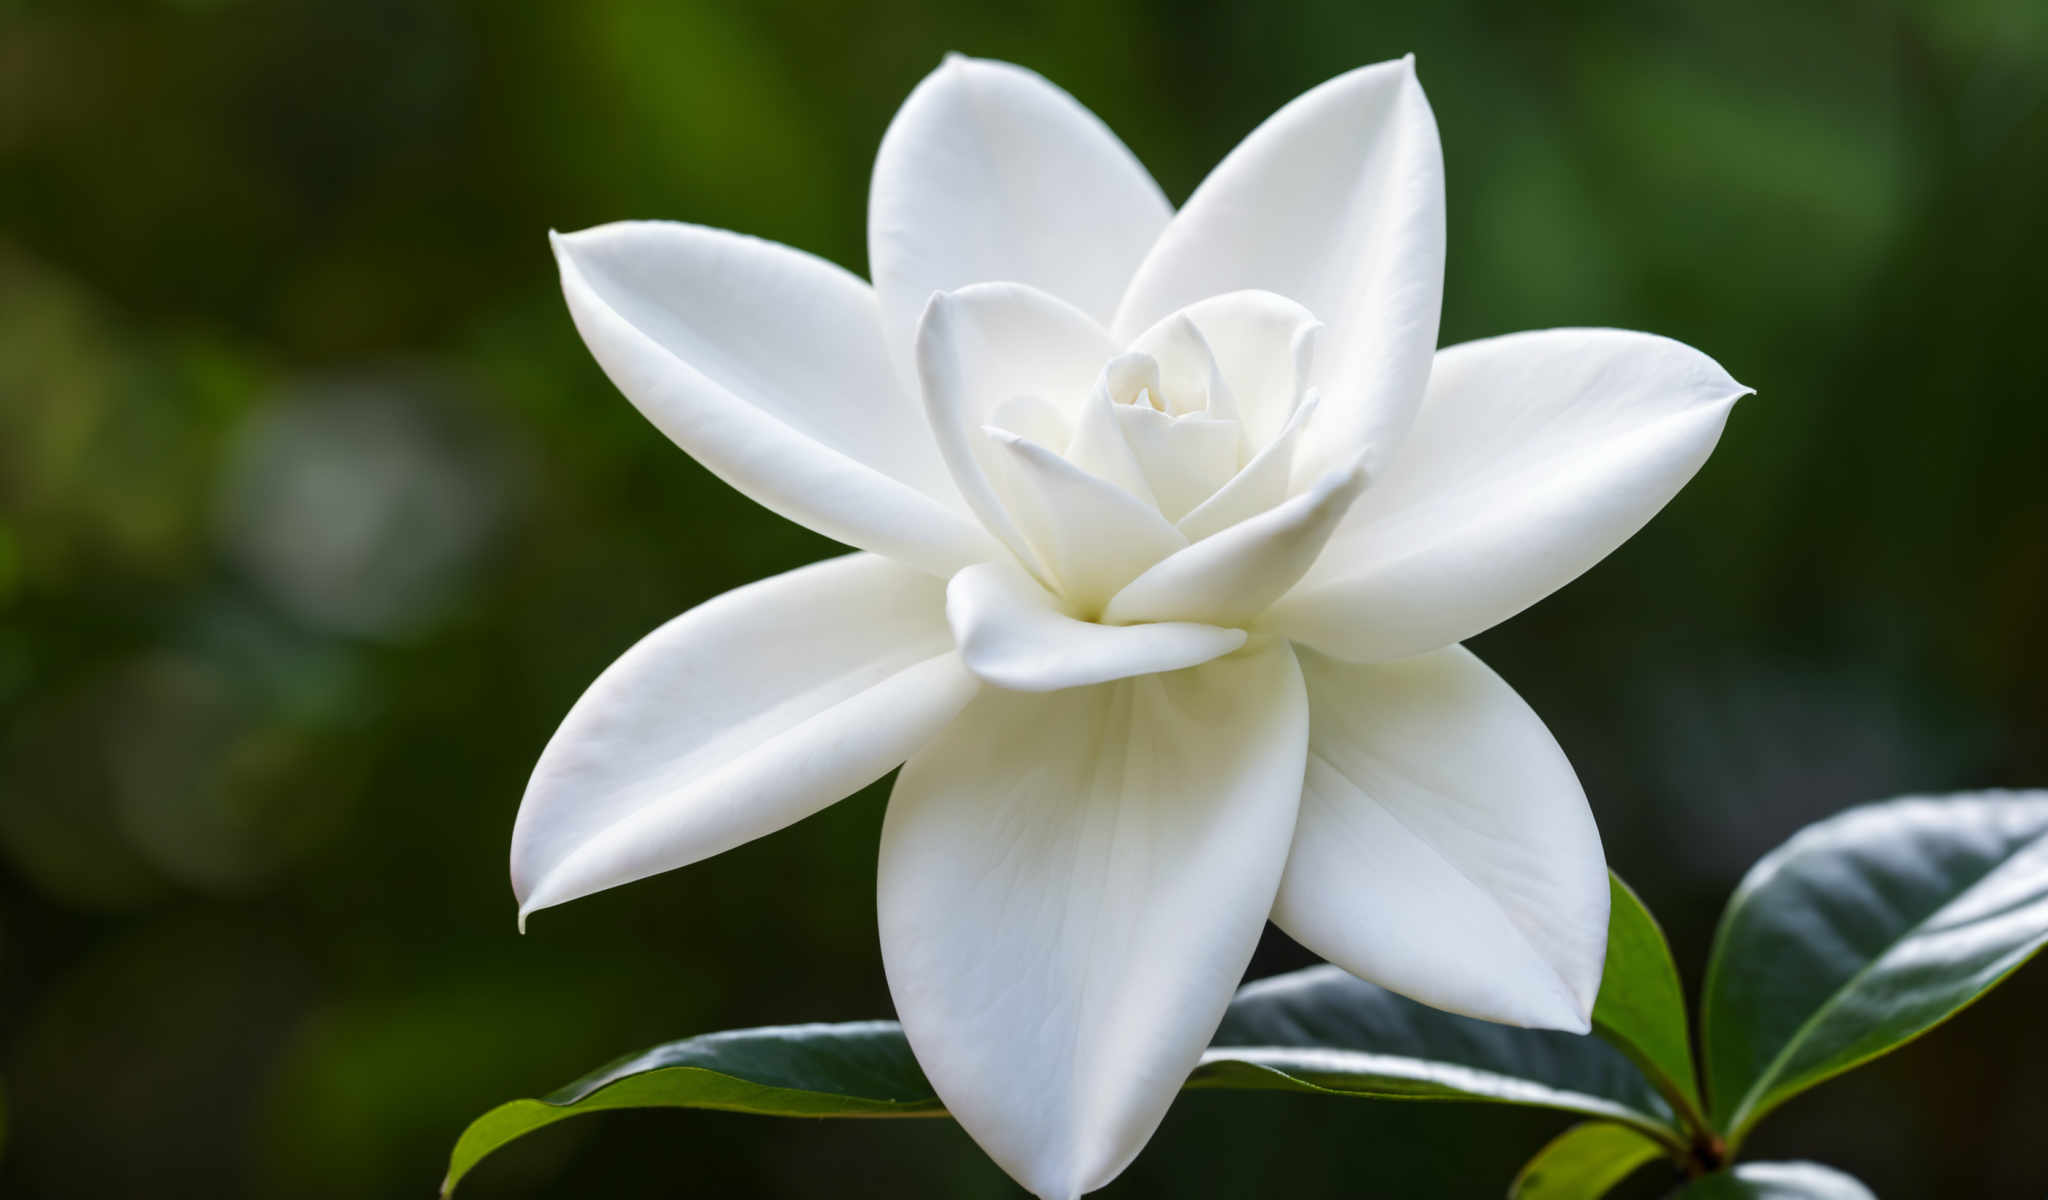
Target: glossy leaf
{"points": [[1318, 1030], [1863, 932], [1641, 1007], [1584, 1163], [1775, 1181], [1321, 1030], [862, 1069]]}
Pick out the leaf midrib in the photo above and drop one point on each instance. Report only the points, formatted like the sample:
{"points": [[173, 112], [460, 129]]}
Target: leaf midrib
{"points": [[1748, 1110]]}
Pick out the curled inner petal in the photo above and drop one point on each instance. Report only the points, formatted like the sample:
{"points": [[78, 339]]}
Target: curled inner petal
{"points": [[1232, 577], [1159, 492], [1012, 634]]}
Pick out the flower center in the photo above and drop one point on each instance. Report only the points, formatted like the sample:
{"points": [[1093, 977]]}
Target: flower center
{"points": [[1180, 425], [1188, 431]]}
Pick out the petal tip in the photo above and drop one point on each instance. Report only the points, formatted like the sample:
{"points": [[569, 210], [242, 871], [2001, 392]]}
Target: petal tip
{"points": [[1350, 476], [940, 301], [1005, 437], [1562, 1008], [937, 311], [564, 242]]}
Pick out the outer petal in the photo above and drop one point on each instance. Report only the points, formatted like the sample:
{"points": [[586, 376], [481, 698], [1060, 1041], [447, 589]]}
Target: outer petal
{"points": [[978, 350], [767, 365], [1012, 634], [1336, 203], [1071, 887], [740, 716], [991, 173], [1534, 457], [1231, 577], [1445, 850]]}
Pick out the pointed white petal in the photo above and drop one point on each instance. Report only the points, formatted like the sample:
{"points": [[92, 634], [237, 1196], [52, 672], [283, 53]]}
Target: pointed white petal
{"points": [[1190, 379], [742, 715], [1261, 485], [1534, 457], [767, 365], [1185, 459], [1337, 203], [1072, 886], [1445, 850], [1098, 446], [980, 348], [1231, 577], [1264, 347], [1091, 535], [991, 173], [1012, 634]]}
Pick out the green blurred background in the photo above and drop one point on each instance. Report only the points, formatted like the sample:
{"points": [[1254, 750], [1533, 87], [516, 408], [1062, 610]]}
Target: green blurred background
{"points": [[315, 517]]}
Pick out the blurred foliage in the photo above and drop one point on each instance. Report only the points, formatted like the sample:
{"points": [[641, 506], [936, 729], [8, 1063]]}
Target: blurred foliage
{"points": [[315, 517]]}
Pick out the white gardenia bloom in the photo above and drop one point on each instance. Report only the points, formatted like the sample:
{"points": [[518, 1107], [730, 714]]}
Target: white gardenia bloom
{"points": [[1170, 524]]}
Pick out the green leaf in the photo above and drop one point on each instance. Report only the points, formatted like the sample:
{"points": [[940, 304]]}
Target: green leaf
{"points": [[1863, 932], [1641, 1007], [863, 1069], [1584, 1163], [1775, 1181], [1318, 1031], [1321, 1030]]}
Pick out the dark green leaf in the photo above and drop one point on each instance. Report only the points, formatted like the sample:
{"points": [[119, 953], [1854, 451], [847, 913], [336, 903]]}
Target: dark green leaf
{"points": [[863, 1069], [1641, 1007], [1318, 1031], [1775, 1181], [1321, 1030], [1863, 932], [1584, 1163]]}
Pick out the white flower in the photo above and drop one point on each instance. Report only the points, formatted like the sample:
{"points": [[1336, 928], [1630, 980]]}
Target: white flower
{"points": [[1172, 522]]}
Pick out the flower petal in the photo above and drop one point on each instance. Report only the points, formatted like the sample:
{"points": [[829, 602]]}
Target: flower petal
{"points": [[1534, 457], [1099, 447], [1012, 634], [767, 366], [1091, 535], [991, 173], [978, 350], [1264, 346], [1445, 850], [1186, 460], [1185, 368], [1071, 887], [1336, 203], [741, 716], [1231, 577], [1260, 485]]}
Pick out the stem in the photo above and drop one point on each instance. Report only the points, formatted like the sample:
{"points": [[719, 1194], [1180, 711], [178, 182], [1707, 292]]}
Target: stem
{"points": [[1707, 1154], [1705, 1143]]}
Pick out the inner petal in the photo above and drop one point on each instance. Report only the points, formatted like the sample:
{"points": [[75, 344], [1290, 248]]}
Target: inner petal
{"points": [[1188, 374], [1092, 536], [1185, 459], [1190, 434], [1263, 349]]}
